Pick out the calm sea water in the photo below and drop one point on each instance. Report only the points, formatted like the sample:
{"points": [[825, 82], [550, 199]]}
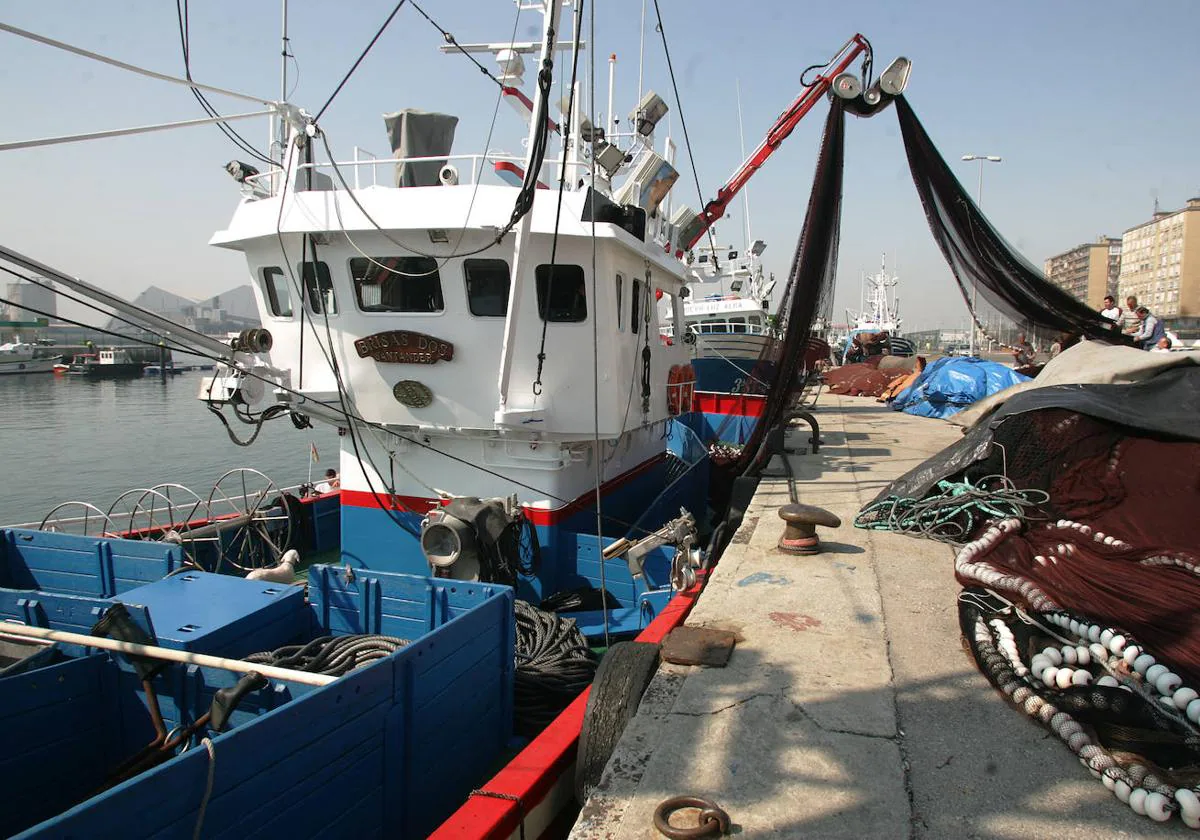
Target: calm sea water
{"points": [[64, 439]]}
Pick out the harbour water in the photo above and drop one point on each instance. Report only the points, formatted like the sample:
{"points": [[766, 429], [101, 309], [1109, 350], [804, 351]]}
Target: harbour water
{"points": [[65, 439]]}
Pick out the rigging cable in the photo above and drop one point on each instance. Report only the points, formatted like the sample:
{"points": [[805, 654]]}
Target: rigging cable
{"points": [[596, 449], [462, 233], [454, 43], [185, 29], [686, 138], [562, 181], [358, 61]]}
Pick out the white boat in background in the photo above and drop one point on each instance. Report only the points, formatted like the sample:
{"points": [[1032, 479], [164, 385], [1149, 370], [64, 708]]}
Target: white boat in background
{"points": [[726, 316], [880, 313], [20, 358]]}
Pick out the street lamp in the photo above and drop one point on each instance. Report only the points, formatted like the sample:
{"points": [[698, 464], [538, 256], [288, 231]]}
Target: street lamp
{"points": [[978, 203]]}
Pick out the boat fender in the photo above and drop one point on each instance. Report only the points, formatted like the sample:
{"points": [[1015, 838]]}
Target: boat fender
{"points": [[282, 572], [621, 680], [226, 700]]}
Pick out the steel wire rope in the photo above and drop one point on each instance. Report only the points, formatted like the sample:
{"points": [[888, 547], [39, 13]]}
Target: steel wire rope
{"points": [[544, 311], [185, 29], [358, 61], [449, 38], [477, 179], [686, 138]]}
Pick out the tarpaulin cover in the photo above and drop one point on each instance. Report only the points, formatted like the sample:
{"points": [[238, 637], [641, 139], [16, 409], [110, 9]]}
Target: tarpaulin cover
{"points": [[1167, 405], [1088, 362], [953, 383], [420, 134]]}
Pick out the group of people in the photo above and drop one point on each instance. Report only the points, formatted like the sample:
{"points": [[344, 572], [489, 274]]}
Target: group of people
{"points": [[1136, 321]]}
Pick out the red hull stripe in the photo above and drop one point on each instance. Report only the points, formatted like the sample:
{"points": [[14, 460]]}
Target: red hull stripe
{"points": [[536, 769], [739, 405], [538, 516]]}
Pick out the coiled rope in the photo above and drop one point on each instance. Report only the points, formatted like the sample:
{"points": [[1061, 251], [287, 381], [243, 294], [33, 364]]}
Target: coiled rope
{"points": [[955, 511], [332, 655], [554, 664]]}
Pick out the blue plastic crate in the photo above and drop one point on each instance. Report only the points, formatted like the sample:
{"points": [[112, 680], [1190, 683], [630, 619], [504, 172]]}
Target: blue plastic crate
{"points": [[388, 750]]}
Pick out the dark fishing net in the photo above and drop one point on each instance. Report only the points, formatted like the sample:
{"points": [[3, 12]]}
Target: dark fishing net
{"points": [[980, 257], [808, 289]]}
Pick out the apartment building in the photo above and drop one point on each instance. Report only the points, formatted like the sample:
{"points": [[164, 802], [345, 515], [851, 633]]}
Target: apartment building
{"points": [[1087, 272], [1160, 262]]}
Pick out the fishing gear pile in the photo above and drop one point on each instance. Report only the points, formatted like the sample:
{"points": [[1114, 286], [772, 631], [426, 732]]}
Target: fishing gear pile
{"points": [[554, 664], [1081, 568]]}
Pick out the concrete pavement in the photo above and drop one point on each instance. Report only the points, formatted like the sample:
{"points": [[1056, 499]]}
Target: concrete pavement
{"points": [[849, 707]]}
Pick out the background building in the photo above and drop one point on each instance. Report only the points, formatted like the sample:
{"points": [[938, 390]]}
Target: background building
{"points": [[1088, 272], [38, 297], [1160, 263]]}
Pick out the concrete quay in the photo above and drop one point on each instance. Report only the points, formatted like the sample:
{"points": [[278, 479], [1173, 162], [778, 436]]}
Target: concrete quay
{"points": [[850, 708]]}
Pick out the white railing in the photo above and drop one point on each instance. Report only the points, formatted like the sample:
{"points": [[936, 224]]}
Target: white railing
{"points": [[267, 184]]}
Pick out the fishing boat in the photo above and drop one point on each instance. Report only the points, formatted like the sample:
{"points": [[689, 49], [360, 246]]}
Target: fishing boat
{"points": [[512, 423], [108, 363], [727, 323], [880, 314], [19, 358]]}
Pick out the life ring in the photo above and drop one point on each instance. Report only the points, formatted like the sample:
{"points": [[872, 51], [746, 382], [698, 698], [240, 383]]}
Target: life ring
{"points": [[681, 389]]}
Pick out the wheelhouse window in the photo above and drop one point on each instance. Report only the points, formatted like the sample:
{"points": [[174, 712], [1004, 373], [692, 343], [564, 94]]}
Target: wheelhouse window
{"points": [[562, 293], [397, 284], [620, 323], [487, 287], [278, 292], [737, 324], [635, 307], [318, 288]]}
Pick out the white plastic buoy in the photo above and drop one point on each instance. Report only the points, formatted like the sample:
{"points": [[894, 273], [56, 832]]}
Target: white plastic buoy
{"points": [[1050, 676], [1122, 791], [1099, 654], [1189, 806], [1117, 644], [1108, 681], [1093, 632], [1168, 683], [1063, 677], [1154, 672], [1193, 711], [1069, 655], [1143, 662], [1081, 677], [1183, 697], [1137, 801], [1083, 656], [1156, 807], [1131, 654], [1054, 655]]}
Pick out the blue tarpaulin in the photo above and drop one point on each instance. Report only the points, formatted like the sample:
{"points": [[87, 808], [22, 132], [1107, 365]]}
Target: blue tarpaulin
{"points": [[953, 383]]}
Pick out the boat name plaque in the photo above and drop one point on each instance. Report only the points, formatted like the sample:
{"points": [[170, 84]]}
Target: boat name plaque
{"points": [[404, 347]]}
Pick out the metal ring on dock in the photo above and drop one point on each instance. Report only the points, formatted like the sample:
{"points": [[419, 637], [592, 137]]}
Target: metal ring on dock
{"points": [[710, 822]]}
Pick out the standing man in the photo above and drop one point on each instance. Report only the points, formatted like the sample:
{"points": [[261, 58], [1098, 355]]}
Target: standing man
{"points": [[1150, 331], [1129, 321], [1110, 310], [1023, 352]]}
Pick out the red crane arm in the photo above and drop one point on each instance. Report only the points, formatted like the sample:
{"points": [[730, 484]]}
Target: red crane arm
{"points": [[779, 132]]}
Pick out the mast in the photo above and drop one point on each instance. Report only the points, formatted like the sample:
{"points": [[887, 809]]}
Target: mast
{"points": [[551, 14]]}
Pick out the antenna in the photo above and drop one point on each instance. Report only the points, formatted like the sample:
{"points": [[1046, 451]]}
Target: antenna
{"points": [[742, 143]]}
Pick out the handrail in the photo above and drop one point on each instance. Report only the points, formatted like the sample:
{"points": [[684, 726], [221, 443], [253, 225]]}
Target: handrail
{"points": [[267, 181]]}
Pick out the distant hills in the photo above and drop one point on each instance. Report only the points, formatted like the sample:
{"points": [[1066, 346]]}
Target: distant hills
{"points": [[227, 312]]}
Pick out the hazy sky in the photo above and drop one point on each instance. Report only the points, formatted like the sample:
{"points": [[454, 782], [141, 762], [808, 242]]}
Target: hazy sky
{"points": [[1091, 103]]}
